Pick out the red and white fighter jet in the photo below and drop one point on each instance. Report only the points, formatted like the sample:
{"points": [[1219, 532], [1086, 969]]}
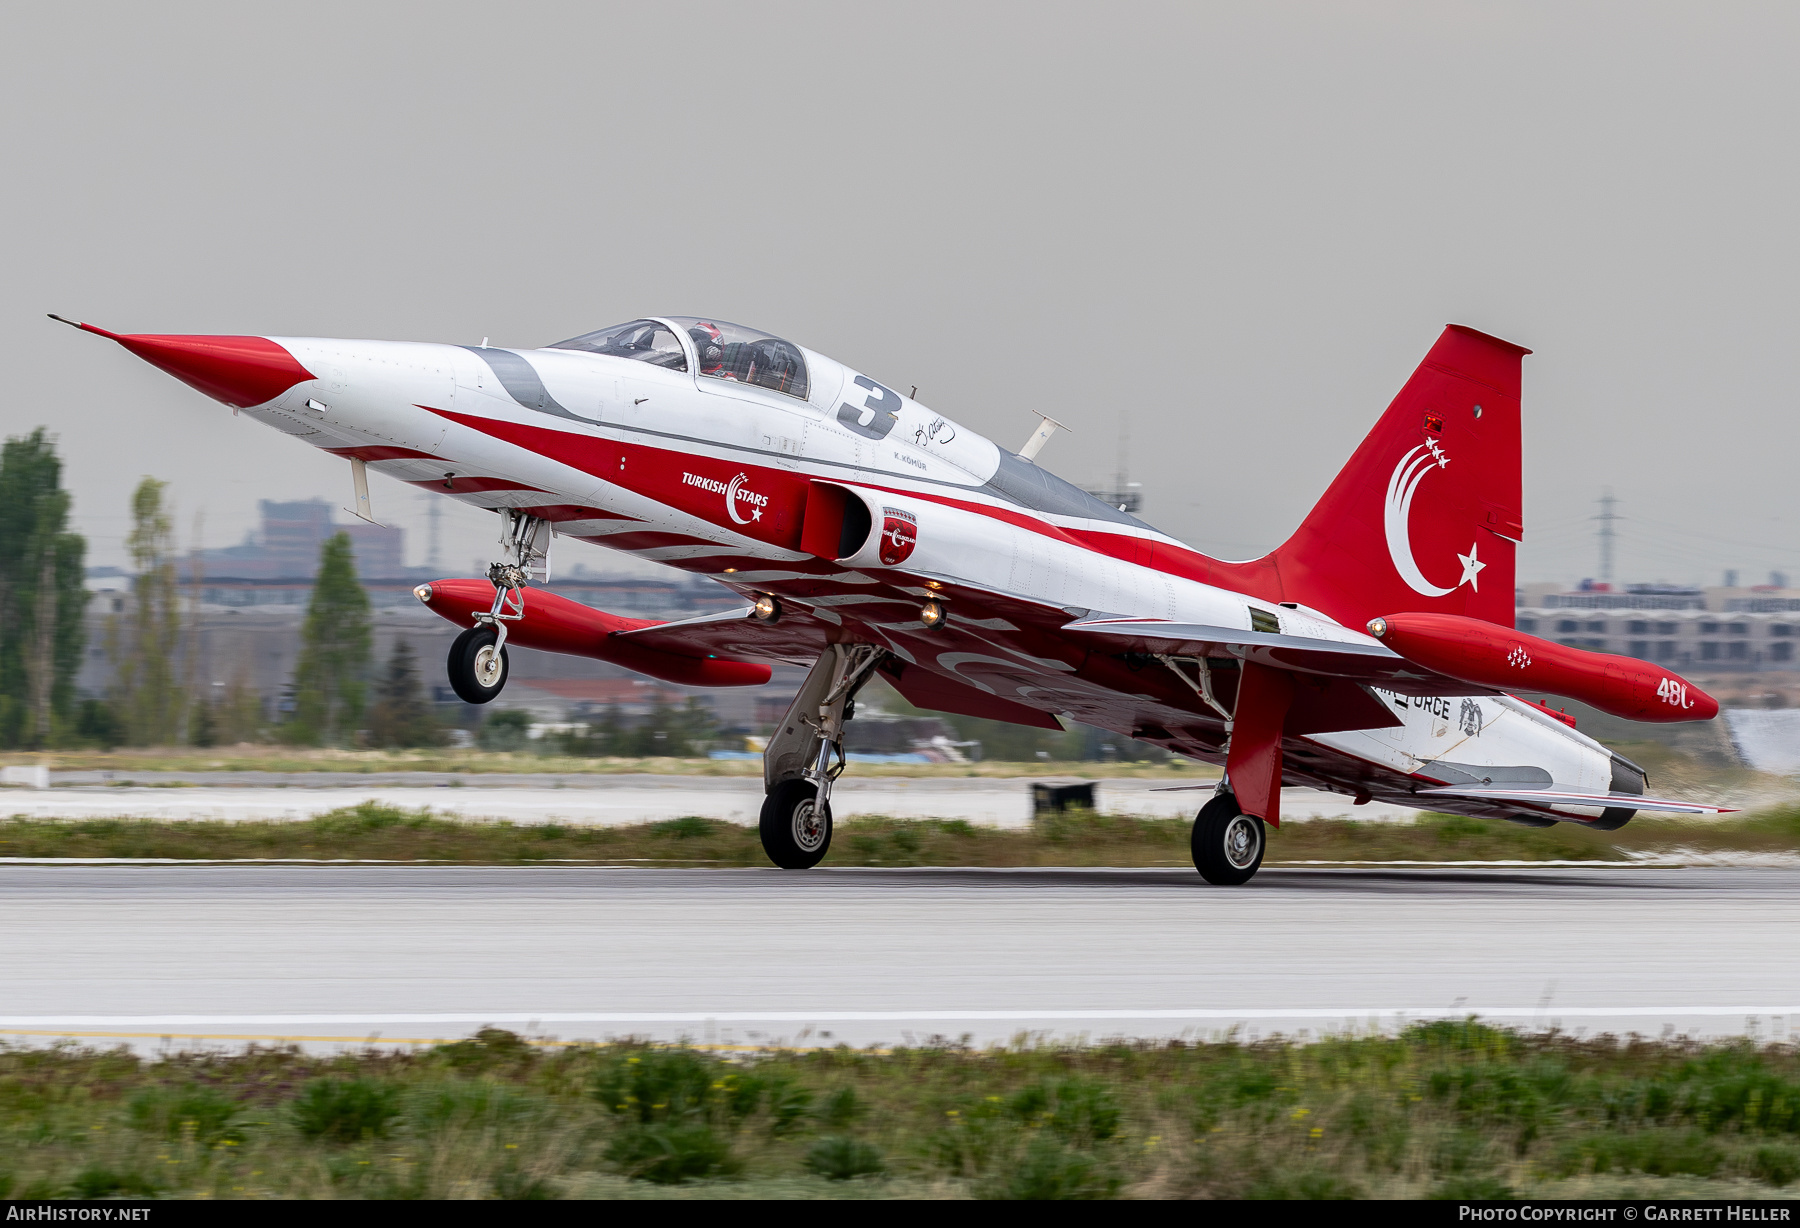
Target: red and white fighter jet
{"points": [[1373, 654]]}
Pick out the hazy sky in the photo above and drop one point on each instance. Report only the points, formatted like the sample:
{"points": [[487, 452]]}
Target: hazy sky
{"points": [[1240, 225]]}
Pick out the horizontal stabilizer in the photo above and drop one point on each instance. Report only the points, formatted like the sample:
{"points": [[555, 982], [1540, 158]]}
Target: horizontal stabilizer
{"points": [[1565, 797], [1360, 659]]}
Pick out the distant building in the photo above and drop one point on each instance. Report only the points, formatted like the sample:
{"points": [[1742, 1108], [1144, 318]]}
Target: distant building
{"points": [[1592, 595], [1683, 638], [288, 543]]}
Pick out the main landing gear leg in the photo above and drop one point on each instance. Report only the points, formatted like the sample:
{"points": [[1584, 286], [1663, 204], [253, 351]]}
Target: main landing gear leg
{"points": [[478, 663], [807, 754], [1230, 835]]}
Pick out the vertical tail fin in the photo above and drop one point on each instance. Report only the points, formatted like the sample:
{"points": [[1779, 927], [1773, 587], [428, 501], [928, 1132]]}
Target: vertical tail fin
{"points": [[1427, 514]]}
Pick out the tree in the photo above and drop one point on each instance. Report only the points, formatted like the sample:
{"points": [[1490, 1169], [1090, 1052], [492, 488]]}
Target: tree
{"points": [[42, 596], [401, 717], [151, 701], [331, 680]]}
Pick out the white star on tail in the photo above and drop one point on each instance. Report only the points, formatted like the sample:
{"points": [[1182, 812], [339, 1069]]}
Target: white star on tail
{"points": [[1471, 568]]}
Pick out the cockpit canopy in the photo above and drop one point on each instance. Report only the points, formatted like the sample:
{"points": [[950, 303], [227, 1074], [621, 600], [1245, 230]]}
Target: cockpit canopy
{"points": [[724, 351], [642, 340]]}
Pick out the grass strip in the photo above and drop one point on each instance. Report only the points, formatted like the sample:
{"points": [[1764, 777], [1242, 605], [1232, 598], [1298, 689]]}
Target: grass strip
{"points": [[372, 831], [1442, 1110]]}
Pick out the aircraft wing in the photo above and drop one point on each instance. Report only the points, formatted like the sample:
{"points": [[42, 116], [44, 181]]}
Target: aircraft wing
{"points": [[1369, 663], [794, 639], [1564, 797]]}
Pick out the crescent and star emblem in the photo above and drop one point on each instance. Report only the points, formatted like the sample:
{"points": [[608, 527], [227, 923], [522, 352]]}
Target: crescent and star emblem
{"points": [[731, 501], [1402, 486]]}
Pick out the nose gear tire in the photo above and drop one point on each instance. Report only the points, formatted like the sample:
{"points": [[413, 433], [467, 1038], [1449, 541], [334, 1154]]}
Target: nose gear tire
{"points": [[477, 672], [1228, 845], [795, 828]]}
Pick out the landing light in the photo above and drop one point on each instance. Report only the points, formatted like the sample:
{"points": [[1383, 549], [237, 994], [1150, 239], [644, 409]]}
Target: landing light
{"points": [[423, 593], [1378, 627], [933, 615], [765, 608]]}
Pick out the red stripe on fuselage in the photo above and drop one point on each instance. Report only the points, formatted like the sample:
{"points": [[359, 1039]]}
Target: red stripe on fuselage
{"points": [[657, 473]]}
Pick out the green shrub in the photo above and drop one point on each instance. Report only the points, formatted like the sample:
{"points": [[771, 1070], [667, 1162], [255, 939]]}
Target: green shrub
{"points": [[344, 1112], [486, 1048], [654, 1085], [1077, 1109], [784, 1100], [99, 1181], [667, 1153], [363, 819], [1459, 1036], [475, 1103], [841, 1107], [1656, 1153], [1049, 1170], [1776, 1165], [172, 1112], [1735, 1087], [840, 1158]]}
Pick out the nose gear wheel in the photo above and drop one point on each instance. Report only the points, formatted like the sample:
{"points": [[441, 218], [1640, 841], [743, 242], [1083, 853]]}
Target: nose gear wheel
{"points": [[477, 665]]}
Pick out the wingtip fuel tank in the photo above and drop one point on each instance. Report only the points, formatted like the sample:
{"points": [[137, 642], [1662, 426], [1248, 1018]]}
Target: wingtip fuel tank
{"points": [[1487, 654]]}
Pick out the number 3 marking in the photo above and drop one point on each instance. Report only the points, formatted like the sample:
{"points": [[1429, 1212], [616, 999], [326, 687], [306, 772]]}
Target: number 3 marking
{"points": [[877, 416]]}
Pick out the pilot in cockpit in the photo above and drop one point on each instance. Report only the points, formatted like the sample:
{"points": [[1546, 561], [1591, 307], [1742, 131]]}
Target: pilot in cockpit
{"points": [[709, 344]]}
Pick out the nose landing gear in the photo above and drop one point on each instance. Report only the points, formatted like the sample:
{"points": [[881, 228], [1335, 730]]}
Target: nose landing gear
{"points": [[807, 754], [478, 664]]}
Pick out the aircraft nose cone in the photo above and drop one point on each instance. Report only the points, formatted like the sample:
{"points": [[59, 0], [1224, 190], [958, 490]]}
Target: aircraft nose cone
{"points": [[240, 371]]}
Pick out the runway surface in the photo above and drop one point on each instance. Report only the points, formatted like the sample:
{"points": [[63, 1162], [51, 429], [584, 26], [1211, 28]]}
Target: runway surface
{"points": [[330, 954]]}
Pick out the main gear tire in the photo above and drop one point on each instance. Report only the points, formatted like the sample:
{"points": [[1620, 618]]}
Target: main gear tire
{"points": [[795, 826], [1228, 844], [476, 667]]}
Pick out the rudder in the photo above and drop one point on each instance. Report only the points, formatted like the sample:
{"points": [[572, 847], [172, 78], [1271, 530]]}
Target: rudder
{"points": [[1427, 514]]}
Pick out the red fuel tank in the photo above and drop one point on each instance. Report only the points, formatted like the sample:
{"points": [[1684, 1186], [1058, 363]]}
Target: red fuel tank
{"points": [[1471, 650], [556, 624]]}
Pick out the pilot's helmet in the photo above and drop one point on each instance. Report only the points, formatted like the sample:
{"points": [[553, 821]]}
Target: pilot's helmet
{"points": [[709, 344]]}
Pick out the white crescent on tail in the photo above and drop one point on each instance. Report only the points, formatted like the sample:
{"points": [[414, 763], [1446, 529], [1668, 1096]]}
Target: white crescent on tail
{"points": [[1401, 487]]}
